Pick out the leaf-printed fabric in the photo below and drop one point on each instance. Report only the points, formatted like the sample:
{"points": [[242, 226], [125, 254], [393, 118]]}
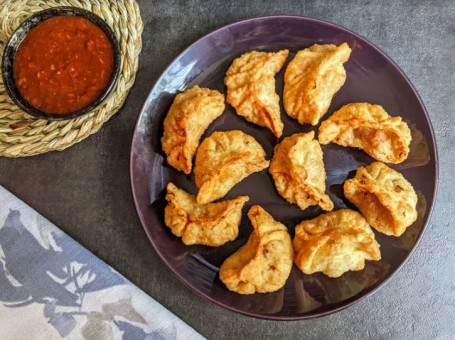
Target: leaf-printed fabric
{"points": [[51, 287]]}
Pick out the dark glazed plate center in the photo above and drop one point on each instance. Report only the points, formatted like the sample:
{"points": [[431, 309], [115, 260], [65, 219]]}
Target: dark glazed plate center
{"points": [[371, 77]]}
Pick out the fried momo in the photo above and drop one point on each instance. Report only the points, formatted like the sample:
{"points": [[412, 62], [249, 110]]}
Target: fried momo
{"points": [[369, 127], [211, 224], [223, 160], [386, 199], [298, 171], [334, 243], [190, 114], [250, 82], [311, 80], [264, 263]]}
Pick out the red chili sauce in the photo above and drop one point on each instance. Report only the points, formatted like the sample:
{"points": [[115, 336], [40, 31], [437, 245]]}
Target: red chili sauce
{"points": [[63, 65]]}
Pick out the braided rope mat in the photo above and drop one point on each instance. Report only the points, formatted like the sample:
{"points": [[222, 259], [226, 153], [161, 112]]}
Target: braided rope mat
{"points": [[23, 135]]}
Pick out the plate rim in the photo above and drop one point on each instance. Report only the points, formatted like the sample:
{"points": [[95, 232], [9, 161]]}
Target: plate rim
{"points": [[316, 314]]}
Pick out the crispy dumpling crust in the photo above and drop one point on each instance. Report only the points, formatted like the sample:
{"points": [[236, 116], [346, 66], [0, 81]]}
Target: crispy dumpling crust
{"points": [[334, 243], [211, 224], [297, 168], [190, 114], [369, 127], [250, 82], [224, 159], [264, 263], [311, 80], [386, 199]]}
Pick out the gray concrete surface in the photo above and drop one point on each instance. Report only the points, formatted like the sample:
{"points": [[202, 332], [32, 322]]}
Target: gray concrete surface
{"points": [[85, 190]]}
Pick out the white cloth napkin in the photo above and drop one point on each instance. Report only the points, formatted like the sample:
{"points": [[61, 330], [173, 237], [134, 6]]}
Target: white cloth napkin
{"points": [[51, 287]]}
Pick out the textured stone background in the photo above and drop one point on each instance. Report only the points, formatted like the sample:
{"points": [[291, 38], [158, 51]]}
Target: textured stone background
{"points": [[85, 190]]}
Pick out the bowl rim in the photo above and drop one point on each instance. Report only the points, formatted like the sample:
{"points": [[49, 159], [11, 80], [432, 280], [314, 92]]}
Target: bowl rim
{"points": [[351, 301], [12, 47]]}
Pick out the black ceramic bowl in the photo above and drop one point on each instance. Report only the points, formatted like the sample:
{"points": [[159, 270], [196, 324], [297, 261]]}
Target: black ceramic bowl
{"points": [[19, 35]]}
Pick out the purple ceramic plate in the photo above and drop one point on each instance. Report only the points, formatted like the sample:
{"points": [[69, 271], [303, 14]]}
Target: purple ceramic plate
{"points": [[371, 77]]}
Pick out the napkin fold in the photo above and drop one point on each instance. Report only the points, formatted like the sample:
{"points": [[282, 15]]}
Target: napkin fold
{"points": [[51, 287]]}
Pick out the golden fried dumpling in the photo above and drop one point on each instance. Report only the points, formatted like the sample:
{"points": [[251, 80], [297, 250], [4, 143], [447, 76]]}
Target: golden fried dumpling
{"points": [[408, 239], [264, 263], [334, 243], [211, 224], [250, 82], [190, 114], [386, 199], [298, 171], [311, 80], [369, 127], [223, 160]]}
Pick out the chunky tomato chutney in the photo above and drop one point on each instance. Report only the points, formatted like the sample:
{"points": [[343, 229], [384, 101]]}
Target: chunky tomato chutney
{"points": [[63, 65]]}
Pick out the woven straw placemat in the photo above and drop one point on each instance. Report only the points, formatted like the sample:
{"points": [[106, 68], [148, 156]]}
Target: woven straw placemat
{"points": [[23, 135]]}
